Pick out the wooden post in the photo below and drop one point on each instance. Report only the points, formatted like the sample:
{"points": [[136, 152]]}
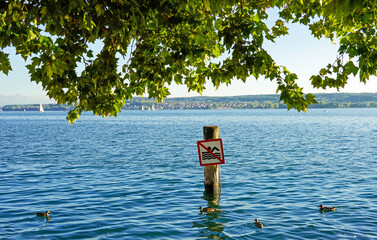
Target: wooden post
{"points": [[212, 176]]}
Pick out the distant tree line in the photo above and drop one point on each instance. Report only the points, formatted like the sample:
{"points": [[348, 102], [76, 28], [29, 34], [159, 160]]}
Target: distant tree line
{"points": [[35, 107], [270, 101], [330, 100]]}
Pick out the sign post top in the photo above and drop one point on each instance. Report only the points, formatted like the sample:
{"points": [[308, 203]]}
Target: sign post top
{"points": [[211, 152]]}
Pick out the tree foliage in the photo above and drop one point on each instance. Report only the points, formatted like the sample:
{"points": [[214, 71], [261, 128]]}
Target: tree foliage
{"points": [[147, 45]]}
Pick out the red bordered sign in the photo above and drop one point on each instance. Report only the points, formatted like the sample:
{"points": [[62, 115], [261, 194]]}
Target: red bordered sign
{"points": [[211, 152]]}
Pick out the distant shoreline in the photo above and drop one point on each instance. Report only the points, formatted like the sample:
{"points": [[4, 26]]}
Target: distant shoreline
{"points": [[270, 101]]}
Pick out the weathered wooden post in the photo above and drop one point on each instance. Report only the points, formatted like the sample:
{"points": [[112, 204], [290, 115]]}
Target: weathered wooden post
{"points": [[212, 175]]}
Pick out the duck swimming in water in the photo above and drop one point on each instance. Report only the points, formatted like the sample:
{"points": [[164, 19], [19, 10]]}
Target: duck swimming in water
{"points": [[43, 214], [326, 209], [206, 209], [258, 224]]}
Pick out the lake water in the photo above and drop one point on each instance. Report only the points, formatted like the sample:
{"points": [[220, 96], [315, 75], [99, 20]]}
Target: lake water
{"points": [[138, 176]]}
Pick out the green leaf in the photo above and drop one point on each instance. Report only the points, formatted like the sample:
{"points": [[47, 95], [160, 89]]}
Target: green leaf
{"points": [[49, 71], [89, 54], [216, 50], [207, 5], [99, 9], [5, 66], [200, 39], [178, 79]]}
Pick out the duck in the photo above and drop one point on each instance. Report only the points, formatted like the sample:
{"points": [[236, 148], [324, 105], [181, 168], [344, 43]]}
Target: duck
{"points": [[258, 224], [206, 209], [326, 209], [43, 214]]}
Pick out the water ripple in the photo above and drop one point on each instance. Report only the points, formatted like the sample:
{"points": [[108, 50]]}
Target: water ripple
{"points": [[138, 177]]}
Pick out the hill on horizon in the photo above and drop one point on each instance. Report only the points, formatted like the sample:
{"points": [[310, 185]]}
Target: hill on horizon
{"points": [[325, 100]]}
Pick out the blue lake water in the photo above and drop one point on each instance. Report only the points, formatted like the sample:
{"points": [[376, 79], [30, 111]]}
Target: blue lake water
{"points": [[138, 176]]}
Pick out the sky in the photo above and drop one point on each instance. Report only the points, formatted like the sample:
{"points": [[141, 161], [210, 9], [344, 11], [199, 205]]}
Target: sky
{"points": [[299, 51]]}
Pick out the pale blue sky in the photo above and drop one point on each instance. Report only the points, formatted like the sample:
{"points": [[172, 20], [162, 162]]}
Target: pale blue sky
{"points": [[299, 51]]}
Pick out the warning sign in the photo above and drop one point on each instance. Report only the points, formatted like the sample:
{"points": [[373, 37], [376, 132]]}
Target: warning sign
{"points": [[211, 152]]}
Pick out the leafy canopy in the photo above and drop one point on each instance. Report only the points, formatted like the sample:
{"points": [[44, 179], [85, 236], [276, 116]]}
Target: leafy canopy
{"points": [[148, 44]]}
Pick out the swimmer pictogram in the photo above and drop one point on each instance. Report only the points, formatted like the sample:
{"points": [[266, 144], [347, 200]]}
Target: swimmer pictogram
{"points": [[211, 152]]}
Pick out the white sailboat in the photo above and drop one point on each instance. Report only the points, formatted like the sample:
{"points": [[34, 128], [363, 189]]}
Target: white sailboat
{"points": [[41, 108], [153, 108], [142, 108]]}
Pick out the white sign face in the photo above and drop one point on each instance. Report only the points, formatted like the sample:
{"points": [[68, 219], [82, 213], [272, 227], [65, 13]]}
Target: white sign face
{"points": [[211, 152]]}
